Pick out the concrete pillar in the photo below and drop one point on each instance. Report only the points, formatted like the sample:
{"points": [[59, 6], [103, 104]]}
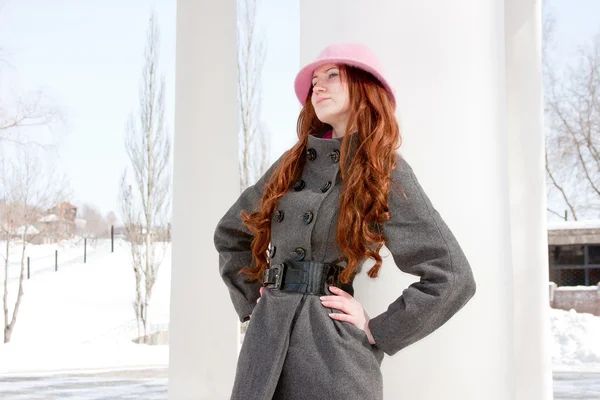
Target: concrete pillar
{"points": [[204, 327], [533, 373], [447, 63]]}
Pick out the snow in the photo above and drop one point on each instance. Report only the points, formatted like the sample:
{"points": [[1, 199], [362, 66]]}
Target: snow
{"points": [[576, 288], [583, 224], [49, 218], [80, 317], [131, 384], [41, 358], [576, 385], [575, 341], [31, 230], [42, 257]]}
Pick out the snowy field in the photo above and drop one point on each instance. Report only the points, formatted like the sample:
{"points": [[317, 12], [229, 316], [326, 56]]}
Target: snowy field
{"points": [[73, 337], [81, 316]]}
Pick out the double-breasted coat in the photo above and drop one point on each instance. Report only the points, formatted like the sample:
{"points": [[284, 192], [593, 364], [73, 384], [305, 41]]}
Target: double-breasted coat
{"points": [[292, 349]]}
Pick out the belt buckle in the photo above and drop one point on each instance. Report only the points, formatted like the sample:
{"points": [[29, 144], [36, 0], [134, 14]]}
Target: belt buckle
{"points": [[333, 275], [278, 276]]}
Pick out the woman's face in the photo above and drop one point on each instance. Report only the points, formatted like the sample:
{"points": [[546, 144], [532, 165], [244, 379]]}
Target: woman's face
{"points": [[330, 95]]}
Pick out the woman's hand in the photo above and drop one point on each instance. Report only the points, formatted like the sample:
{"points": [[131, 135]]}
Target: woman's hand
{"points": [[262, 289], [353, 311]]}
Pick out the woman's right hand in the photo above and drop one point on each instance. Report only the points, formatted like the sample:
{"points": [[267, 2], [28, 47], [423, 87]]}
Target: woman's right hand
{"points": [[262, 289]]}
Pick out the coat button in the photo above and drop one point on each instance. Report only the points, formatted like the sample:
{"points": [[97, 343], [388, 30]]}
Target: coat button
{"points": [[326, 187], [307, 217], [299, 185], [272, 251], [278, 216], [311, 154], [335, 155], [298, 254]]}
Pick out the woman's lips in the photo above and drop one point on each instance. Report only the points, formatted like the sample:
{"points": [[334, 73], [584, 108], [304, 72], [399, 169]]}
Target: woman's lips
{"points": [[320, 100]]}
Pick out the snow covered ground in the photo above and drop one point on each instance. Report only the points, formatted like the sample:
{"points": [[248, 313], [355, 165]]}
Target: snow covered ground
{"points": [[42, 257], [575, 355], [75, 329], [131, 384], [153, 385], [575, 341], [576, 385], [81, 316]]}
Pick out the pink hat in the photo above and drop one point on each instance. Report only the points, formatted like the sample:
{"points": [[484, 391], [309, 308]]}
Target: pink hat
{"points": [[353, 54]]}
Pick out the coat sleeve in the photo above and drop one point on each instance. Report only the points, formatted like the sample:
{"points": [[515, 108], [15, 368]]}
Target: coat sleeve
{"points": [[421, 244], [232, 240]]}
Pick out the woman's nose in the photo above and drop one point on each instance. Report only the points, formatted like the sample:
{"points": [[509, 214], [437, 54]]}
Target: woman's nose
{"points": [[318, 88]]}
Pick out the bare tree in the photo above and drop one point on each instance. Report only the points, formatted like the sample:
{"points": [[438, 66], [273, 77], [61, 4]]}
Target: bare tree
{"points": [[133, 233], [95, 224], [20, 112], [572, 108], [145, 203], [29, 111], [254, 149], [27, 188], [110, 218], [23, 112]]}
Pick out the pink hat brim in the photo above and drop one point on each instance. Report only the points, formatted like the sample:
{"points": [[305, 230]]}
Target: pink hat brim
{"points": [[303, 79]]}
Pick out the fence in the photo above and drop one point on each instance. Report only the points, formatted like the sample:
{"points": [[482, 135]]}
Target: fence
{"points": [[53, 261], [583, 299], [59, 260]]}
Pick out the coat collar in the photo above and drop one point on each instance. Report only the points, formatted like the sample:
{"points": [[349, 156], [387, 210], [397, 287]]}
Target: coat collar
{"points": [[326, 151]]}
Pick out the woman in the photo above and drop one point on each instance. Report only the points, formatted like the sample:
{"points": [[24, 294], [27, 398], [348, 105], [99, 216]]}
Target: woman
{"points": [[296, 239]]}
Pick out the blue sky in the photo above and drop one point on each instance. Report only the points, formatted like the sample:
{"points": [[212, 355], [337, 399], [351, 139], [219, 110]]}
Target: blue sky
{"points": [[87, 57]]}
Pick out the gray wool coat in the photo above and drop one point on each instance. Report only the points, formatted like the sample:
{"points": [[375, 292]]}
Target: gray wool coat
{"points": [[292, 349]]}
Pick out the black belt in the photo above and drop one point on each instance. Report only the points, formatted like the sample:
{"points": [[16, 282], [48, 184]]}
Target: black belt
{"points": [[310, 277]]}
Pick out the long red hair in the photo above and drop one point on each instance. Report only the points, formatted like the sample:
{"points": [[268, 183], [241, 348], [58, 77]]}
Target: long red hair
{"points": [[365, 169]]}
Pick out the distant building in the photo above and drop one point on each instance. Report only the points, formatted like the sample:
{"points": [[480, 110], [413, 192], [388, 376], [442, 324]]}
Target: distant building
{"points": [[60, 222], [574, 262], [64, 210], [574, 252]]}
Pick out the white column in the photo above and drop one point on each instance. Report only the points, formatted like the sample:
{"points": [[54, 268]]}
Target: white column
{"points": [[446, 61], [533, 372], [204, 328]]}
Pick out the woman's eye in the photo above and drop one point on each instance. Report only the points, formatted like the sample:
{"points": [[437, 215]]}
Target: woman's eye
{"points": [[331, 75]]}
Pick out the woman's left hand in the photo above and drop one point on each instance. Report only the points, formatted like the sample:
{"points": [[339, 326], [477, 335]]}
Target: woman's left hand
{"points": [[353, 311]]}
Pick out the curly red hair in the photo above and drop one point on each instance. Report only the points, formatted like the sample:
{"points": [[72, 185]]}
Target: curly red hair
{"points": [[366, 175]]}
